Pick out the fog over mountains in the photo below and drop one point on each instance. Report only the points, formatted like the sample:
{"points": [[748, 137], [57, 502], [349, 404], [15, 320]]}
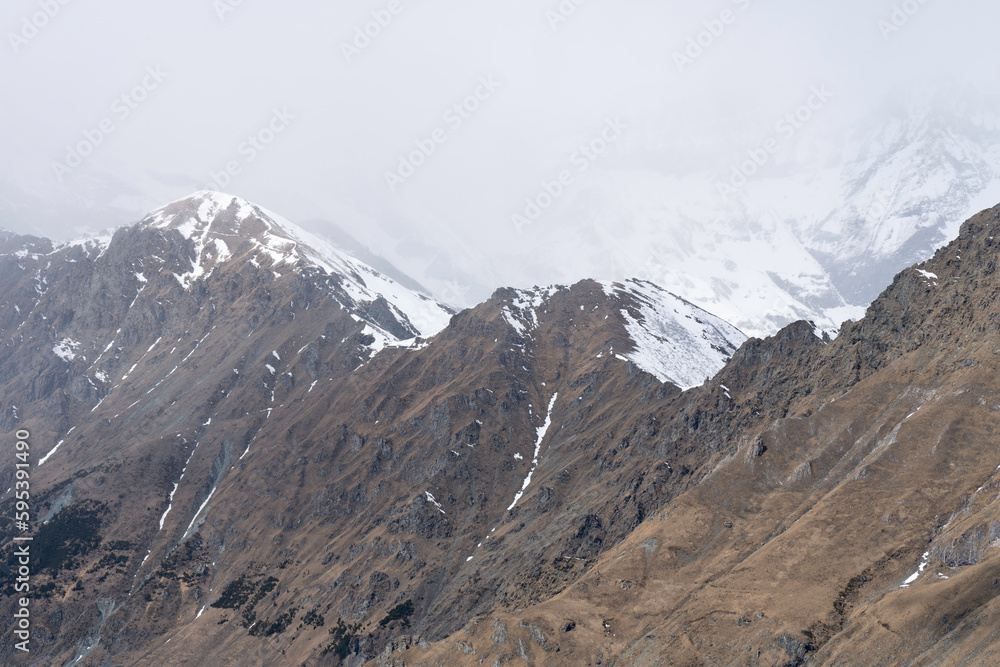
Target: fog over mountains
{"points": [[773, 240], [766, 161]]}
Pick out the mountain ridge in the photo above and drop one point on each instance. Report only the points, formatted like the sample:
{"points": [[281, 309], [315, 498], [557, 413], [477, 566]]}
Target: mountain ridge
{"points": [[518, 487], [736, 578]]}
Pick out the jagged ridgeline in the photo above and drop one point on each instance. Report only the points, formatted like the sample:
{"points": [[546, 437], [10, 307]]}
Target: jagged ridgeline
{"points": [[248, 443]]}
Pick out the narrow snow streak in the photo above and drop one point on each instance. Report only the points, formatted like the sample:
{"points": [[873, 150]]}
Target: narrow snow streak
{"points": [[181, 362], [541, 430], [125, 377], [538, 446], [51, 452], [190, 525], [247, 450], [170, 500]]}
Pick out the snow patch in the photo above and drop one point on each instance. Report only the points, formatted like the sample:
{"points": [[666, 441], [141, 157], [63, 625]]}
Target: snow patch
{"points": [[920, 569], [66, 349], [431, 499], [522, 313], [673, 340], [222, 252]]}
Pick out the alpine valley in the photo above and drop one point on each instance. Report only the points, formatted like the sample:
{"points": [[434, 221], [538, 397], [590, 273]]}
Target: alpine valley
{"points": [[249, 447]]}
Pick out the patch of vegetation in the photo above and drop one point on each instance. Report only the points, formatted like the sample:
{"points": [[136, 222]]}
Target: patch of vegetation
{"points": [[399, 612], [314, 618], [246, 592], [840, 604], [266, 587], [819, 633], [47, 589], [118, 545], [236, 593], [109, 561], [68, 537], [279, 625], [180, 565], [184, 554], [343, 635], [60, 545], [189, 578]]}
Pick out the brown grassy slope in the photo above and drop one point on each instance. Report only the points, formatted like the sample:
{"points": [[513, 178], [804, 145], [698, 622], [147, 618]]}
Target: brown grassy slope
{"points": [[425, 406], [795, 548]]}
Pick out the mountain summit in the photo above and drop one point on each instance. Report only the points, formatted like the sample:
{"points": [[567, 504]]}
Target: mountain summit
{"points": [[221, 228]]}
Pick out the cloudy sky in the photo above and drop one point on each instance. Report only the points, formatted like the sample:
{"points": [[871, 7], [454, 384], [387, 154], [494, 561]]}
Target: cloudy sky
{"points": [[428, 123]]}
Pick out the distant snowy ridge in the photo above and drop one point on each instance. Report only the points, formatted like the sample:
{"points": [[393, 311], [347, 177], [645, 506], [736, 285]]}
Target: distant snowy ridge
{"points": [[674, 340], [816, 234]]}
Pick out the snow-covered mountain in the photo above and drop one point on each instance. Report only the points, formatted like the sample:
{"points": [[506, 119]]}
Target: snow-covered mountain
{"points": [[814, 235], [224, 228], [673, 339], [904, 188], [668, 337]]}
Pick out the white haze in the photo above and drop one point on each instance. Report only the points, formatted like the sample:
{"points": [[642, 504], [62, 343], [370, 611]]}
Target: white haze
{"points": [[228, 66]]}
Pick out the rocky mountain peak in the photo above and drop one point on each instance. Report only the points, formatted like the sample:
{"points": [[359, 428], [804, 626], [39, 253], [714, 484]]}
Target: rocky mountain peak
{"points": [[665, 335], [223, 228]]}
